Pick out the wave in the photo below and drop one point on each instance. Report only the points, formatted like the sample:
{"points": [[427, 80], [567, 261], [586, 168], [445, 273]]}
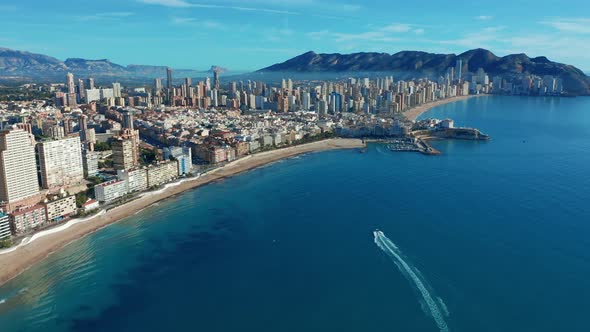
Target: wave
{"points": [[435, 307]]}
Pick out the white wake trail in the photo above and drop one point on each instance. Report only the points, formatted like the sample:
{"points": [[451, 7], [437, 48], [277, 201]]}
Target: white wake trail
{"points": [[437, 309]]}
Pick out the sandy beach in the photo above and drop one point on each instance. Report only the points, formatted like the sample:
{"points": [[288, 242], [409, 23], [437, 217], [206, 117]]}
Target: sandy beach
{"points": [[415, 112], [15, 262]]}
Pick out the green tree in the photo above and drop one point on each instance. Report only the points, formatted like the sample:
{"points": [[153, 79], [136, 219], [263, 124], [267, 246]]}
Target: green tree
{"points": [[102, 146], [81, 198]]}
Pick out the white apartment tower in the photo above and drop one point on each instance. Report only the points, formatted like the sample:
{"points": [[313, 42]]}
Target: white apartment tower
{"points": [[18, 166], [61, 163]]}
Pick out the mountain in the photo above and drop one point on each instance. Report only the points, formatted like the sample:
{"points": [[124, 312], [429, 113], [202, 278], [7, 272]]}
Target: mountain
{"points": [[20, 66], [409, 64]]}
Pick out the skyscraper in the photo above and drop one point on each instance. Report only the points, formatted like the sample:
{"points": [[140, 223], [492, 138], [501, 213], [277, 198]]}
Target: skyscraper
{"points": [[81, 90], [169, 78], [216, 77], [125, 153], [18, 167], [128, 120], [71, 96], [60, 163], [459, 70], [169, 85], [117, 90], [158, 85], [70, 83], [90, 83]]}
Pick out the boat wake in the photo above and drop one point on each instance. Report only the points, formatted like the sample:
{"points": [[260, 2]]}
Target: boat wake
{"points": [[434, 306]]}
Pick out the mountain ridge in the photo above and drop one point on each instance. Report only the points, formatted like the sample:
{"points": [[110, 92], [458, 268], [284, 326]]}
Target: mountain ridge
{"points": [[419, 63], [25, 65]]}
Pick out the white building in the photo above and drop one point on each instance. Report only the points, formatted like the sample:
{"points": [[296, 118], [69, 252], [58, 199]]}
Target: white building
{"points": [[4, 226], [90, 205], [90, 163], [163, 173], [61, 163], [60, 207], [18, 166], [117, 90], [92, 95], [107, 93], [110, 191], [136, 179]]}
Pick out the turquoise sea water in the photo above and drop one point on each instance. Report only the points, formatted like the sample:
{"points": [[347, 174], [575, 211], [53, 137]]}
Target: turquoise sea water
{"points": [[496, 234]]}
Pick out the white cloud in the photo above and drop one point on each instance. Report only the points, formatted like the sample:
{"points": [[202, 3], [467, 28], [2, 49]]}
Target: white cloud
{"points": [[186, 4], [384, 34], [195, 22], [369, 36], [484, 17], [481, 39], [572, 25], [106, 16], [396, 27], [167, 3]]}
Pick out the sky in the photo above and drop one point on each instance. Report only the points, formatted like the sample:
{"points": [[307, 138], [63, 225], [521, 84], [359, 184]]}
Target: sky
{"points": [[252, 34]]}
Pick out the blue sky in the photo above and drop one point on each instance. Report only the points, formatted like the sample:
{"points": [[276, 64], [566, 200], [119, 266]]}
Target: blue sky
{"points": [[251, 34]]}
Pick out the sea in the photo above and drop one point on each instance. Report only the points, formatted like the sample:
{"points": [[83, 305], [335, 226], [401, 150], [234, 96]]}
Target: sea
{"points": [[489, 236]]}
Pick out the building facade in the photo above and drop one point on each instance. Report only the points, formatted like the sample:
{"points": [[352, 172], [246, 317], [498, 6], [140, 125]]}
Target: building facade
{"points": [[90, 163], [60, 163], [135, 179], [18, 166], [60, 208], [26, 219], [5, 231], [110, 191], [124, 153], [160, 174]]}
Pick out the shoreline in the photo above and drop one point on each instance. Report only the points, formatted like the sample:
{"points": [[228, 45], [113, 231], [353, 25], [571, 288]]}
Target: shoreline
{"points": [[28, 253], [415, 112]]}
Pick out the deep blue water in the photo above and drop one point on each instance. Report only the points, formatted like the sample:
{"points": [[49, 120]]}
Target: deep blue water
{"points": [[499, 230]]}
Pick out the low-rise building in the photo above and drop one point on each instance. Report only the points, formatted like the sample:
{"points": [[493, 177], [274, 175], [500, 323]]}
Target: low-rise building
{"points": [[26, 219], [4, 226], [60, 207], [90, 205], [110, 191]]}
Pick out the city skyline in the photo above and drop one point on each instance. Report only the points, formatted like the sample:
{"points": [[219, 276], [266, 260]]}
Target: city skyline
{"points": [[197, 34]]}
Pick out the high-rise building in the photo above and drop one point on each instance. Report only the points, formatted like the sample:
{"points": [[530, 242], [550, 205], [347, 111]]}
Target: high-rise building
{"points": [[126, 150], [459, 70], [117, 90], [216, 78], [18, 166], [71, 97], [128, 120], [92, 95], [60, 163], [169, 78], [90, 163], [70, 83], [90, 84], [158, 85], [169, 85], [81, 90]]}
